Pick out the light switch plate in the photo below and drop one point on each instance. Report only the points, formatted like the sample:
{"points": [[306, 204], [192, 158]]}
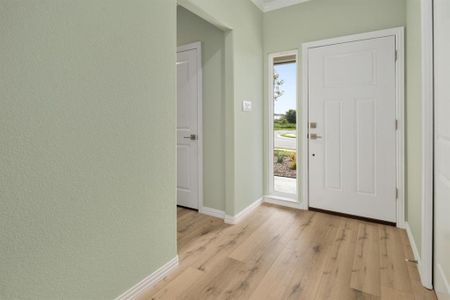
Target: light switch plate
{"points": [[246, 106]]}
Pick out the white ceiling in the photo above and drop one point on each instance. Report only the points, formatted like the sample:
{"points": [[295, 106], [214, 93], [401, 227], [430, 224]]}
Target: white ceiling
{"points": [[268, 5]]}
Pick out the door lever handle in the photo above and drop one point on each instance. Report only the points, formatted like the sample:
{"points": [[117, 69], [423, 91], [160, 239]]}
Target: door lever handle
{"points": [[192, 137], [314, 136]]}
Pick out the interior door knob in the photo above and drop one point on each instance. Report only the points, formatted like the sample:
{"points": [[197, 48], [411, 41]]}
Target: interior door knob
{"points": [[192, 137]]}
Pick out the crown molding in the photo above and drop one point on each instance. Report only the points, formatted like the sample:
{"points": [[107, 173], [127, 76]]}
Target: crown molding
{"points": [[259, 4], [275, 4]]}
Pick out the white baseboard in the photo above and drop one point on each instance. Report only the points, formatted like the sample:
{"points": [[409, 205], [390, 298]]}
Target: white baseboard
{"points": [[284, 202], [415, 250], [401, 224], [442, 285], [212, 212], [149, 281], [242, 214]]}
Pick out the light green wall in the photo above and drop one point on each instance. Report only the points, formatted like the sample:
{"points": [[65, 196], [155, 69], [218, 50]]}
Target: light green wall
{"points": [[288, 28], [413, 119], [87, 156], [243, 71], [191, 28]]}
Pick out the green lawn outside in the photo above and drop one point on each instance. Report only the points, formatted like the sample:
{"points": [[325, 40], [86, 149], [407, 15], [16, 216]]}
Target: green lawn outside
{"points": [[278, 126], [289, 135]]}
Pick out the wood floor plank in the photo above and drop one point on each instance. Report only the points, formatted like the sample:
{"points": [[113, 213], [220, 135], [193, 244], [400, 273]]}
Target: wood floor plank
{"points": [[176, 288], [214, 281], [259, 262], [209, 254], [204, 227], [366, 264], [336, 275], [306, 279], [394, 271], [299, 263], [182, 211], [279, 253], [278, 223], [363, 296], [275, 282], [391, 293]]}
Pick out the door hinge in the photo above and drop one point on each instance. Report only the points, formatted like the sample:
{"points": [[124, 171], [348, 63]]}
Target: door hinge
{"points": [[396, 193], [396, 55], [396, 124]]}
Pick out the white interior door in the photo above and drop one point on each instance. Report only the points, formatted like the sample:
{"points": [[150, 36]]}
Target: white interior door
{"points": [[187, 128], [442, 149], [352, 149]]}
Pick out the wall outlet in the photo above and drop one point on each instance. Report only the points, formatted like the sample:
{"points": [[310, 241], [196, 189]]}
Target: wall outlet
{"points": [[246, 106]]}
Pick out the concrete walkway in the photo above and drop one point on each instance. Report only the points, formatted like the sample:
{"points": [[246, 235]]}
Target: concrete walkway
{"points": [[285, 185]]}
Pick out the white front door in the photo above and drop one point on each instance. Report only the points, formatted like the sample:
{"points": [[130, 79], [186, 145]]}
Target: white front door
{"points": [[352, 112], [187, 128]]}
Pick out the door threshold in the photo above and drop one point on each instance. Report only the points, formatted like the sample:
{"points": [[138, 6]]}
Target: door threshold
{"points": [[365, 219], [283, 198]]}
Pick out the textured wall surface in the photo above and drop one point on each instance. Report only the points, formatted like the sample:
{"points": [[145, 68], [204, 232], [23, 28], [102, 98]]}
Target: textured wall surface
{"points": [[87, 156]]}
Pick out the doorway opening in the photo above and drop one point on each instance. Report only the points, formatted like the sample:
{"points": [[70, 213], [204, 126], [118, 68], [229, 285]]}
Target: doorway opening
{"points": [[203, 64], [189, 125], [283, 131]]}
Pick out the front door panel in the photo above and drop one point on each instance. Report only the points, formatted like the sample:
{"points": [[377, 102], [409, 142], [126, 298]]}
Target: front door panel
{"points": [[352, 151]]}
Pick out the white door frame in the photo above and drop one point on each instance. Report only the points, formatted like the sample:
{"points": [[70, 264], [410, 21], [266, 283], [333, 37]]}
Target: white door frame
{"points": [[269, 143], [426, 244], [198, 46], [398, 33]]}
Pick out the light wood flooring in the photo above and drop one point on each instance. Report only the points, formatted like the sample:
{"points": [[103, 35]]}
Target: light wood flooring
{"points": [[281, 253]]}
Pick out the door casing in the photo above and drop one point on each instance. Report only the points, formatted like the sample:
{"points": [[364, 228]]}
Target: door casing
{"points": [[398, 33], [425, 261]]}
